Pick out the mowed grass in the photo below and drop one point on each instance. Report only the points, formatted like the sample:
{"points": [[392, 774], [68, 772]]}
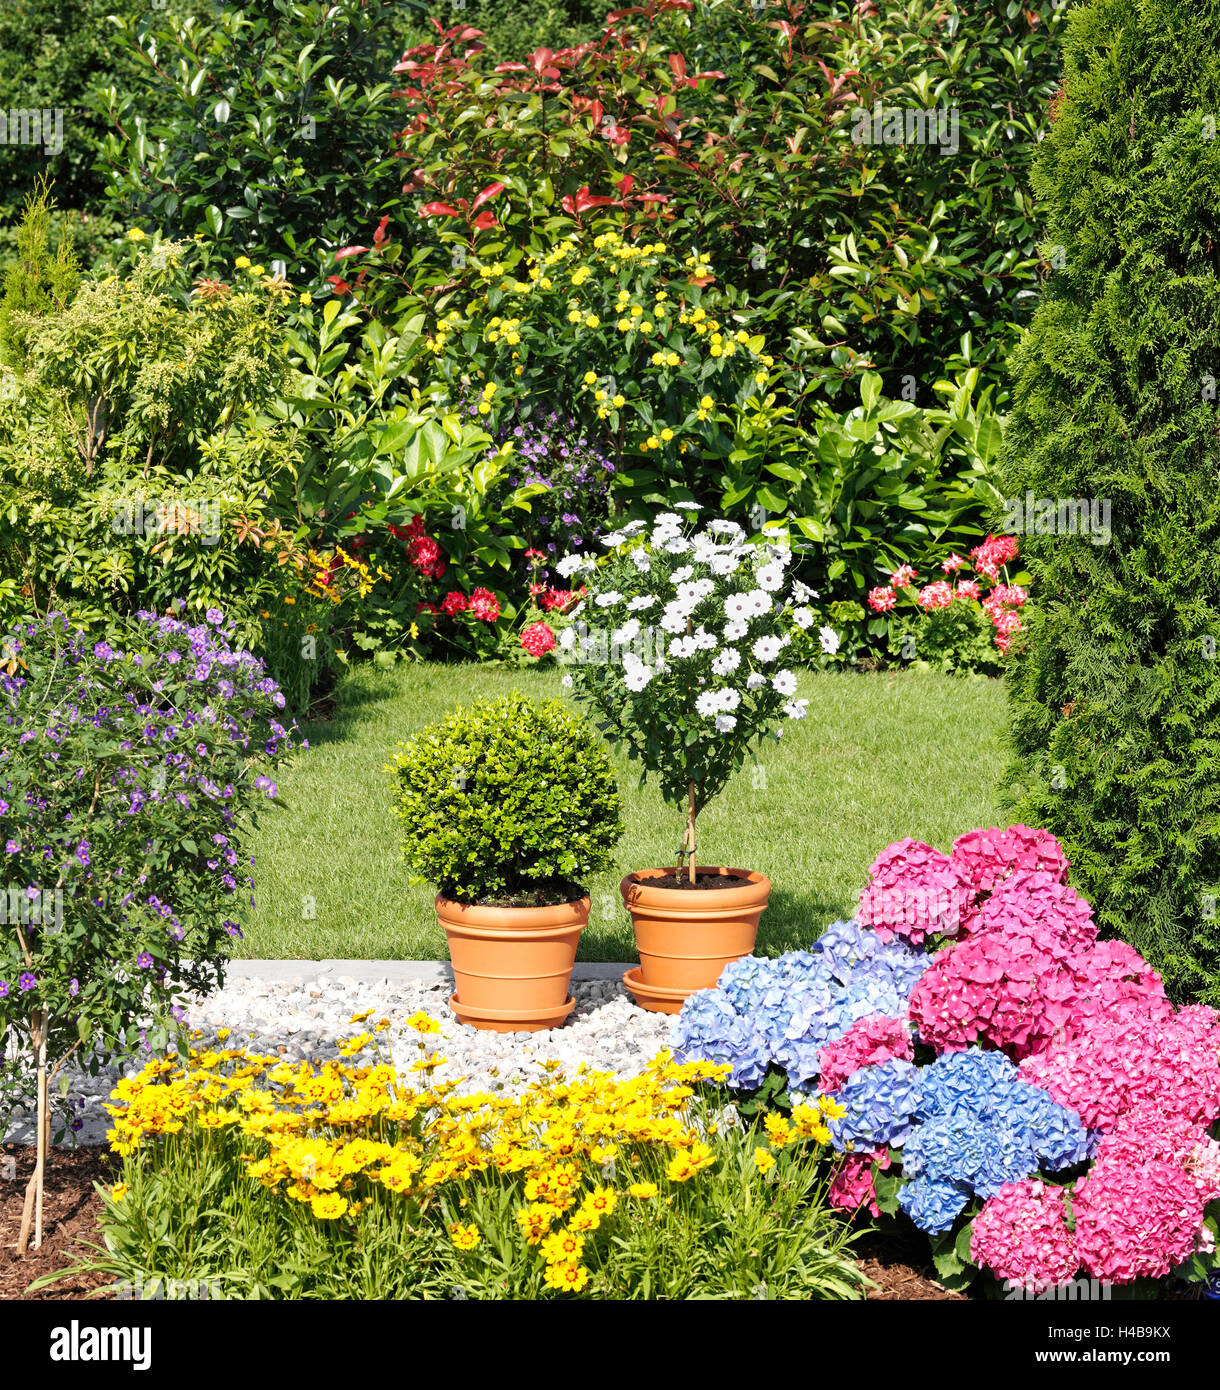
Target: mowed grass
{"points": [[880, 757]]}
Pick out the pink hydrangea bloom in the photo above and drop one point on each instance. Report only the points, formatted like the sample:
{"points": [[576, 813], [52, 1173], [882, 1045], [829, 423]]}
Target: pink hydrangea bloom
{"points": [[1135, 1221], [913, 893], [1035, 898], [853, 1185], [1012, 989], [1118, 983], [868, 1042], [1148, 1133], [1021, 1235], [984, 858], [1111, 1067]]}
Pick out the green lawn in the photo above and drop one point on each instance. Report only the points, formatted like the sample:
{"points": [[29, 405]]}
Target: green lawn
{"points": [[878, 758]]}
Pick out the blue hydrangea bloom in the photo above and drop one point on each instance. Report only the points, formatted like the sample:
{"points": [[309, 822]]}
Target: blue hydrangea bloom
{"points": [[797, 1004], [880, 1103], [933, 1206]]}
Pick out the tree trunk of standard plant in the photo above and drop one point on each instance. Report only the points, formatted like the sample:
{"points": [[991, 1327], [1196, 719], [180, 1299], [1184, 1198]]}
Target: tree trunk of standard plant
{"points": [[689, 838], [32, 1209]]}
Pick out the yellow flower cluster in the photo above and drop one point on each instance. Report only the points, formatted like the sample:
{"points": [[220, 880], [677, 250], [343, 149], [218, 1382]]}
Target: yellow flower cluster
{"points": [[341, 1136]]}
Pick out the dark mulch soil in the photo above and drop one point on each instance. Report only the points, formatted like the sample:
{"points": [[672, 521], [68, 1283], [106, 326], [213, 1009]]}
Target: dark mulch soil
{"points": [[899, 1265], [70, 1213], [702, 881]]}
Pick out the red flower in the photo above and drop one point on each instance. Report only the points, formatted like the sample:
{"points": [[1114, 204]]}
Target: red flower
{"points": [[426, 556], [557, 598], [454, 602], [538, 639], [534, 555], [881, 600], [485, 605]]}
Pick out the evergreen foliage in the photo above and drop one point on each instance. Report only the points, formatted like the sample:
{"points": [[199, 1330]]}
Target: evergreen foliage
{"points": [[1116, 684]]}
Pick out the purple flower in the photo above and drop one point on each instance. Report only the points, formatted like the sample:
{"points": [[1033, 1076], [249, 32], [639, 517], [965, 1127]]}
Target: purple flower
{"points": [[144, 960], [74, 988], [3, 989], [27, 981]]}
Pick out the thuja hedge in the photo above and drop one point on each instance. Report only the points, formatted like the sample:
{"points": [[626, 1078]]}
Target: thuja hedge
{"points": [[1116, 685]]}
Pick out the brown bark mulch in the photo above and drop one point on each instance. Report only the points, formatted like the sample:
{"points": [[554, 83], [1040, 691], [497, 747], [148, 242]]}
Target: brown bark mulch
{"points": [[70, 1213], [899, 1265]]}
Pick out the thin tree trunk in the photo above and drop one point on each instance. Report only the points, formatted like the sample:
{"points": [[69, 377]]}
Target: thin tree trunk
{"points": [[32, 1209], [690, 827]]}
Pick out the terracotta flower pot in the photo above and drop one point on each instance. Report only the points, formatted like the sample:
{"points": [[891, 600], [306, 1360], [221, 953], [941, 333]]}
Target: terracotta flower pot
{"points": [[512, 965], [685, 936]]}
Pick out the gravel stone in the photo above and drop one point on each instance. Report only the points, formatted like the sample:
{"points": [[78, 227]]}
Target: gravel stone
{"points": [[300, 1019]]}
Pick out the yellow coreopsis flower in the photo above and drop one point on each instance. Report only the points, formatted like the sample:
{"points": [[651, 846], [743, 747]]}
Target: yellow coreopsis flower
{"points": [[464, 1237], [328, 1206], [764, 1160], [643, 1190]]}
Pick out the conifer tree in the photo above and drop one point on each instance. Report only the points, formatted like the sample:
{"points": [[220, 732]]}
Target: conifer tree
{"points": [[1115, 685]]}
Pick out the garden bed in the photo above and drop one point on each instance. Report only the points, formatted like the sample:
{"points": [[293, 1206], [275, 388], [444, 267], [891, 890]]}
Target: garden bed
{"points": [[71, 1211]]}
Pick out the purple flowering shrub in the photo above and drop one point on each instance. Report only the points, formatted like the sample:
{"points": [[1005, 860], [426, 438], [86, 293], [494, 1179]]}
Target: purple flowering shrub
{"points": [[555, 453], [1028, 1095], [128, 779]]}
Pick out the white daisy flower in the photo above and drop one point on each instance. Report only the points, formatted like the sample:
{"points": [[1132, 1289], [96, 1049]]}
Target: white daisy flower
{"points": [[759, 602], [641, 559], [725, 528], [608, 599], [678, 545], [680, 574], [566, 682], [726, 723], [784, 682], [641, 601], [682, 647], [674, 618], [802, 592], [803, 617], [755, 681], [795, 709], [689, 506], [766, 648], [568, 566], [769, 577], [735, 629], [704, 640], [729, 698], [612, 539], [708, 703], [637, 676], [629, 631], [727, 661], [737, 607], [829, 639], [567, 637], [724, 565]]}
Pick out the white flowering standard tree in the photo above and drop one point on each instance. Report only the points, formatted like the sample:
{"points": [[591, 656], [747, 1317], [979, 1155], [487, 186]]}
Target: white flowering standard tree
{"points": [[686, 648]]}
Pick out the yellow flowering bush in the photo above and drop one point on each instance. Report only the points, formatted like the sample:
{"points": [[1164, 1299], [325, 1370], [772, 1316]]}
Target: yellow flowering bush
{"points": [[351, 1178], [638, 341]]}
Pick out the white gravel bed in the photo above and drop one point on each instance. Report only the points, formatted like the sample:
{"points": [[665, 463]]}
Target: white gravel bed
{"points": [[307, 1019]]}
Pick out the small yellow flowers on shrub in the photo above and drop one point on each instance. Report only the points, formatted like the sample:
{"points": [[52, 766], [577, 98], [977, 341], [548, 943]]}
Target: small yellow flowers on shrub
{"points": [[590, 378], [257, 270], [464, 1237], [305, 298], [135, 234], [764, 1160], [620, 401], [646, 326], [667, 435], [778, 1130], [623, 325]]}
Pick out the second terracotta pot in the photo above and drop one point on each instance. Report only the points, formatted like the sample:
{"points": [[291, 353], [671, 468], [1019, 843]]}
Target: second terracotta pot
{"points": [[686, 937], [512, 965]]}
